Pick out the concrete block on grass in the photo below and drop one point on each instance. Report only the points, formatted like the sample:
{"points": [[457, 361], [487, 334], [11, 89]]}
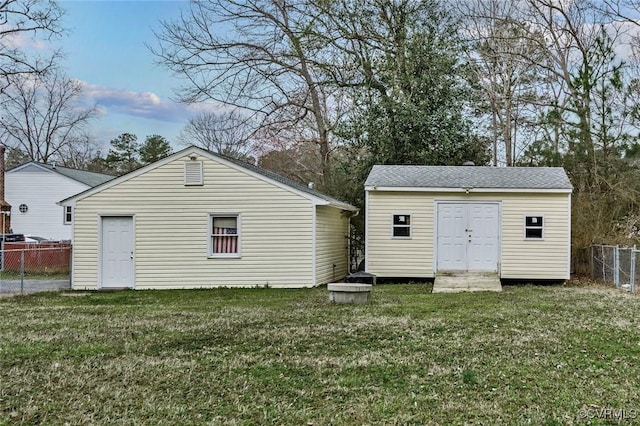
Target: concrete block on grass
{"points": [[355, 293]]}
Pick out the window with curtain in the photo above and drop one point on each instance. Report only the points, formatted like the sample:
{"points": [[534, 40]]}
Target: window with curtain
{"points": [[225, 235]]}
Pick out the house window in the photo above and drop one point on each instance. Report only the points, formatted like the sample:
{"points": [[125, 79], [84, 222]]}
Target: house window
{"points": [[401, 226], [225, 235], [68, 215], [533, 227], [23, 208], [193, 173]]}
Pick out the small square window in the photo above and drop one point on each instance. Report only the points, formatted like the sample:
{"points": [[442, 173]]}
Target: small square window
{"points": [[225, 236], [402, 225], [533, 227], [68, 215]]}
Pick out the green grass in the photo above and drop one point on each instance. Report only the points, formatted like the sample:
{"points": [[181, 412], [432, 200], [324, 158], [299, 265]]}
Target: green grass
{"points": [[528, 355], [51, 274]]}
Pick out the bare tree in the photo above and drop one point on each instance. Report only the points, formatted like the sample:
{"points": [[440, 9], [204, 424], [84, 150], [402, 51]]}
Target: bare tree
{"points": [[265, 63], [501, 53], [79, 153], [564, 54], [295, 161], [228, 133], [582, 65], [23, 22], [41, 115]]}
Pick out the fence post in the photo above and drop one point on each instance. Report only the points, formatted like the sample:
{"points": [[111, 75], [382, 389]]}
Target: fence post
{"points": [[604, 270], [632, 278], [22, 271], [616, 266], [70, 266]]}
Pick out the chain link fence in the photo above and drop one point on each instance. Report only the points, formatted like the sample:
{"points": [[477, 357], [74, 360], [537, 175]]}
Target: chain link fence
{"points": [[30, 268], [619, 266]]}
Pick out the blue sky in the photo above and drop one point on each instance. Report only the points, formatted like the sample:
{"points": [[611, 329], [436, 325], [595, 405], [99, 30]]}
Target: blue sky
{"points": [[106, 49]]}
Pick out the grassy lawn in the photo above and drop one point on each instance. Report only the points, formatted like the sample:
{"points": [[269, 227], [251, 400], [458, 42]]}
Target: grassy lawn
{"points": [[52, 274], [528, 355]]}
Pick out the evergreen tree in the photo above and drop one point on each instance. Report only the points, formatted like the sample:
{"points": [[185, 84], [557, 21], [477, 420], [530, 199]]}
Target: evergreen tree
{"points": [[154, 148], [123, 154], [416, 109]]}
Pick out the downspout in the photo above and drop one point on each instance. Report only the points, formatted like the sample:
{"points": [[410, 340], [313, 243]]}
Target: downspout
{"points": [[313, 244]]}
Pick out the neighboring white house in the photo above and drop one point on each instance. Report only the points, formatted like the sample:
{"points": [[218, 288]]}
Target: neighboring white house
{"points": [[197, 219], [33, 190], [423, 220]]}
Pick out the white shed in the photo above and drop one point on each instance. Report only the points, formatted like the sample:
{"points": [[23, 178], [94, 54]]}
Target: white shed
{"points": [[425, 221], [197, 219]]}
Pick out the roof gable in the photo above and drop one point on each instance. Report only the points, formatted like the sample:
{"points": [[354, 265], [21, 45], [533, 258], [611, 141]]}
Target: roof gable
{"points": [[257, 172], [90, 179], [469, 177]]}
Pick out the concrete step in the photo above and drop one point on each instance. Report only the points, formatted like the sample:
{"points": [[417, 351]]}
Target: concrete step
{"points": [[456, 282]]}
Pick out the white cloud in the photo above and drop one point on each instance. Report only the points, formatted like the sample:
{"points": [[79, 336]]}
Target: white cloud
{"points": [[142, 104]]}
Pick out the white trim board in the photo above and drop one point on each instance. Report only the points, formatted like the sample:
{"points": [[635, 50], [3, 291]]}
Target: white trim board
{"points": [[466, 190]]}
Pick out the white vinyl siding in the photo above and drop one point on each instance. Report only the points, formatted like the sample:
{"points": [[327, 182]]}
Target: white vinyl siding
{"points": [[520, 258], [332, 247], [172, 230], [546, 258], [40, 190], [389, 256]]}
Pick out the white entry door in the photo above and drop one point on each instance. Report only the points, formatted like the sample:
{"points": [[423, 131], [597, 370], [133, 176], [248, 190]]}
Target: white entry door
{"points": [[117, 252], [467, 236]]}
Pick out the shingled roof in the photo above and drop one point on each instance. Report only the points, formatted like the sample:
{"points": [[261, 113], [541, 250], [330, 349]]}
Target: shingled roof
{"points": [[543, 178], [90, 179]]}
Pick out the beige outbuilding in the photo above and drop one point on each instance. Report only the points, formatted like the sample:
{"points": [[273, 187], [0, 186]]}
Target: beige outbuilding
{"points": [[197, 219], [430, 221]]}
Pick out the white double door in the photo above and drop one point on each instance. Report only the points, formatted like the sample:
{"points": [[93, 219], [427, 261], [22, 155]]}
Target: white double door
{"points": [[468, 236]]}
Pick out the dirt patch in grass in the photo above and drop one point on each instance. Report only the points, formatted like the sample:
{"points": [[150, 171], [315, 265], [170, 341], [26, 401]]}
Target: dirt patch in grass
{"points": [[528, 355]]}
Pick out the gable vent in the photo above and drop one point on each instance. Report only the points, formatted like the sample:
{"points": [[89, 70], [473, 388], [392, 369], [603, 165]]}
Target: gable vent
{"points": [[193, 173]]}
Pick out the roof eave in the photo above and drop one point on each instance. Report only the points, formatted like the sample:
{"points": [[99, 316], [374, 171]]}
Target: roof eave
{"points": [[466, 190], [341, 206]]}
